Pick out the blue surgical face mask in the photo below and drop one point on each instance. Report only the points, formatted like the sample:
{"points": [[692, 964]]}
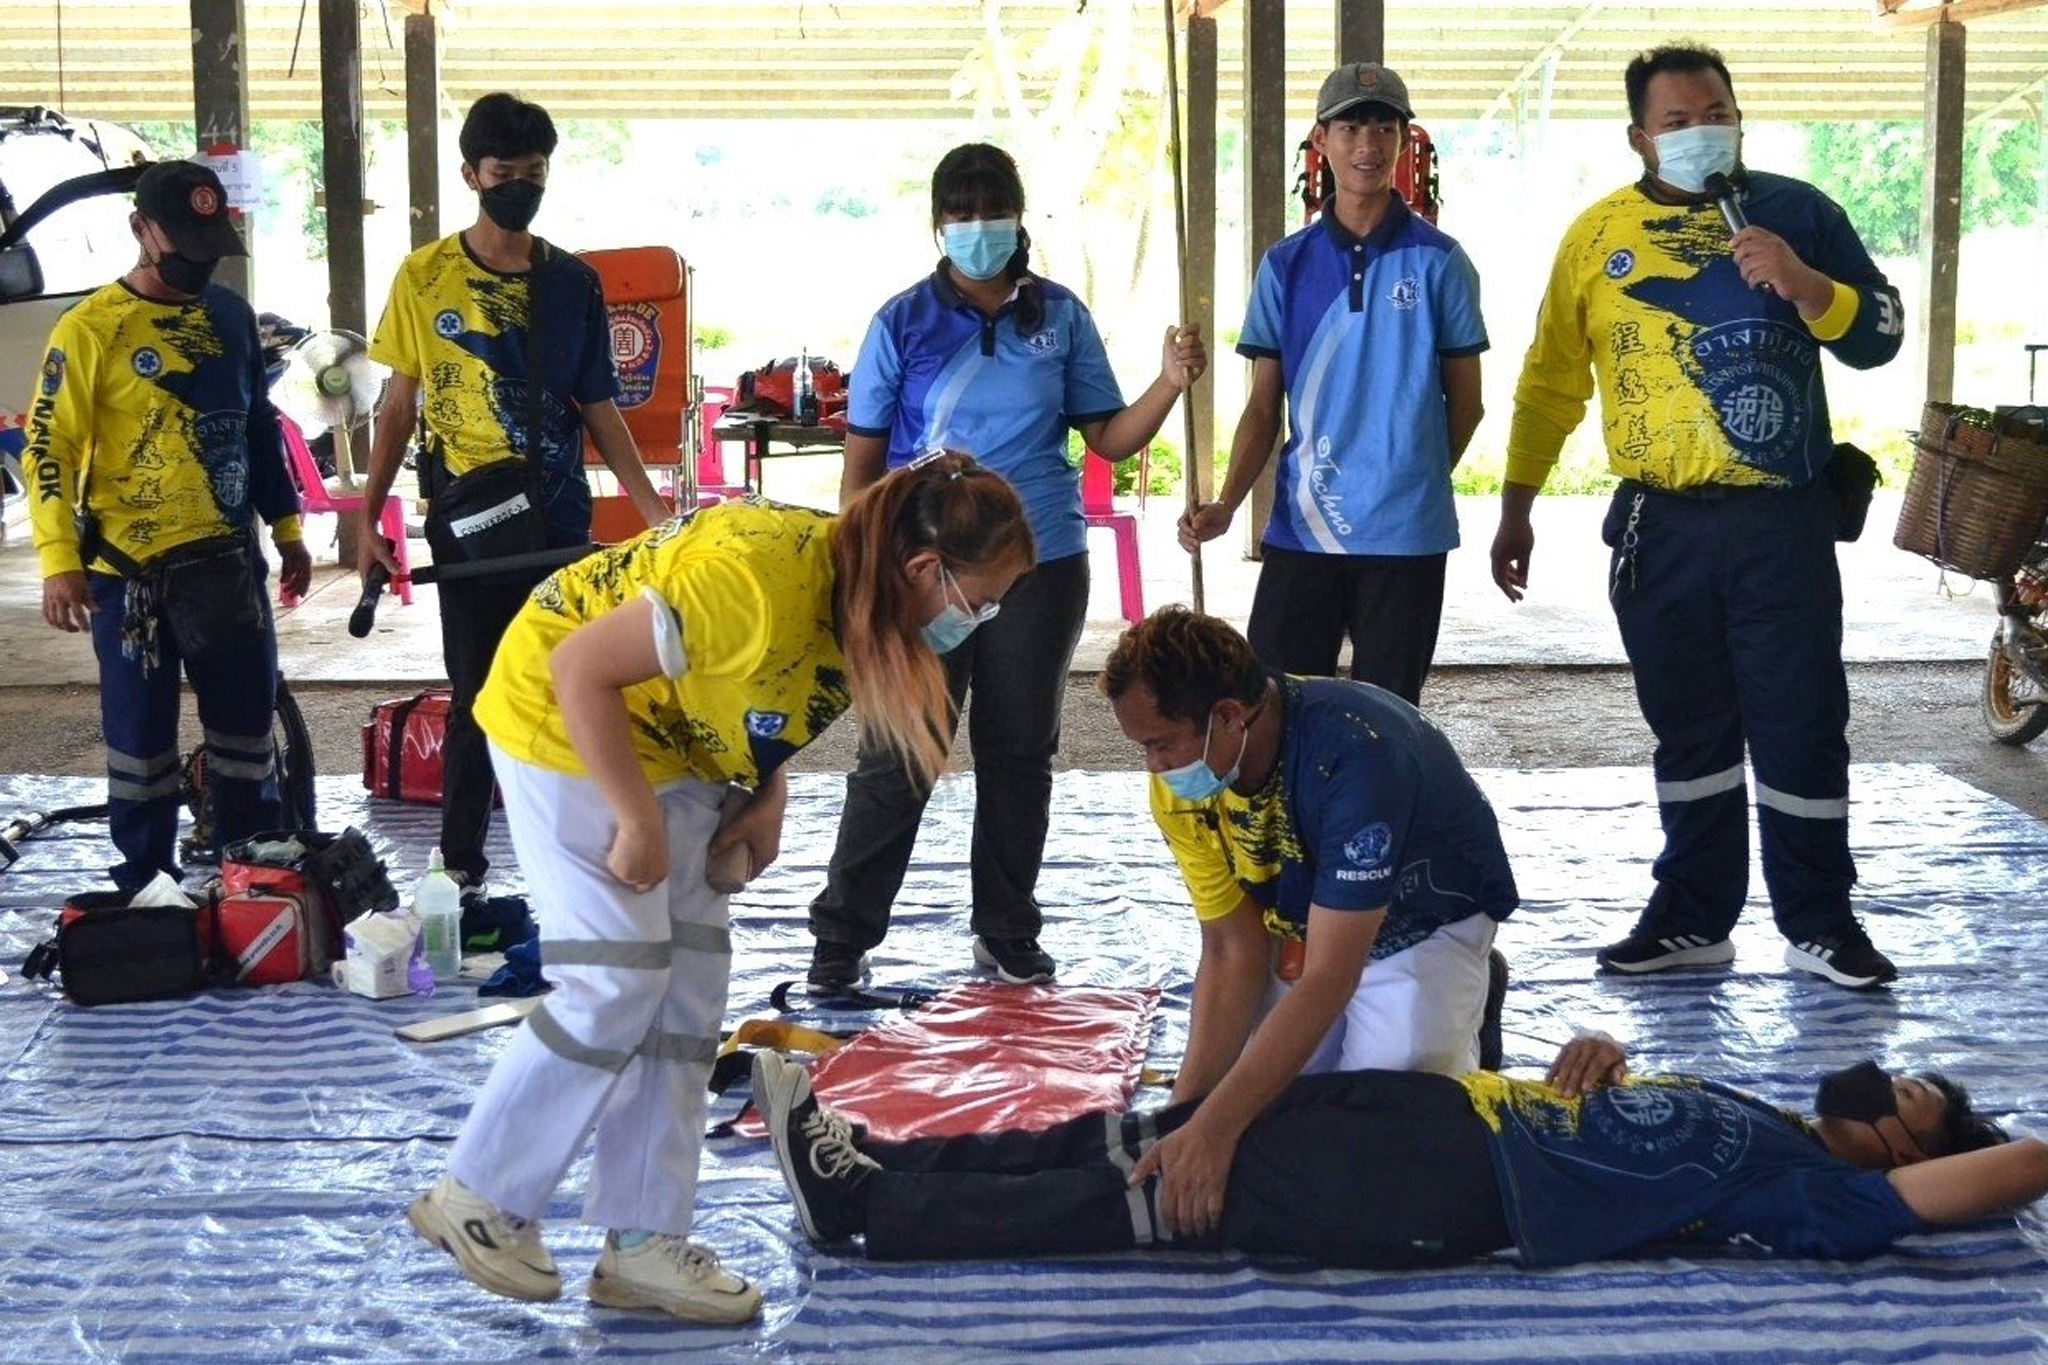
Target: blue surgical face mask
{"points": [[1687, 156], [1197, 781], [955, 622], [980, 248]]}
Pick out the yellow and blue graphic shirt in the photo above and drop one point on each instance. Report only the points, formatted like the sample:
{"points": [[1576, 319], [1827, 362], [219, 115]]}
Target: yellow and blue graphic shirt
{"points": [[1703, 379], [935, 371], [162, 412], [460, 328], [1360, 327], [1368, 806], [1673, 1158], [750, 584]]}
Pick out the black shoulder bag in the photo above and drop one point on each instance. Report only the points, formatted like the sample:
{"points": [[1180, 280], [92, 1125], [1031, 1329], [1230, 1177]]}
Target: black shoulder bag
{"points": [[496, 511]]}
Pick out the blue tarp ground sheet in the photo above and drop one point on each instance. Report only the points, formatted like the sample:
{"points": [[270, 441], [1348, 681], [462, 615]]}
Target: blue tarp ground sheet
{"points": [[223, 1179]]}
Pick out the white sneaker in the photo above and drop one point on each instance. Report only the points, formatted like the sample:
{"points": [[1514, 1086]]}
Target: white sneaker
{"points": [[675, 1275], [502, 1253]]}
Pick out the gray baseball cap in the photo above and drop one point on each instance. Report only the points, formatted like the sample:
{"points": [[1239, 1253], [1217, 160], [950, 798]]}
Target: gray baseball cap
{"points": [[1361, 83]]}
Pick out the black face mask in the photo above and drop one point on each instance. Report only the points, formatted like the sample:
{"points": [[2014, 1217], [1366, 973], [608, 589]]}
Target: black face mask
{"points": [[182, 274], [1861, 1094], [511, 204]]}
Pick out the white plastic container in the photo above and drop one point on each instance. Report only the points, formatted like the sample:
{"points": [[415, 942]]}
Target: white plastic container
{"points": [[438, 903]]}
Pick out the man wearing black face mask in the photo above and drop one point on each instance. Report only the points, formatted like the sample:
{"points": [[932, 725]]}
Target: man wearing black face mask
{"points": [[152, 448], [1393, 1169], [472, 321]]}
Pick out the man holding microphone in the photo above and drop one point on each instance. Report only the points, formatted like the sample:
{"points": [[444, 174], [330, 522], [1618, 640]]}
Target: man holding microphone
{"points": [[1706, 349]]}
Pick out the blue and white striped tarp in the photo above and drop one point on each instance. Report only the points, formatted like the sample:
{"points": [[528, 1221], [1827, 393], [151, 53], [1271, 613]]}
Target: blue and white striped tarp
{"points": [[223, 1179]]}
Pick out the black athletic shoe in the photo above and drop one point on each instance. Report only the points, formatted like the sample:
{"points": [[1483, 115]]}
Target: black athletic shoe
{"points": [[1019, 961], [835, 968], [821, 1162], [1847, 959], [1491, 1048], [1644, 951]]}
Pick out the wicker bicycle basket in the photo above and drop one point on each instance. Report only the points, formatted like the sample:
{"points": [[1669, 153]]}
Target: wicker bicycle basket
{"points": [[1978, 494]]}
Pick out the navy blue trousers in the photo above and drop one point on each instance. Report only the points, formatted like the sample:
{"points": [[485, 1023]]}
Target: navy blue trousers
{"points": [[1731, 613], [236, 689]]}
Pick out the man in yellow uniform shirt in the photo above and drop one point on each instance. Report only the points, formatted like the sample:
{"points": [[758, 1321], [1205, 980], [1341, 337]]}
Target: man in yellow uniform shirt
{"points": [[470, 320], [152, 447], [1723, 578]]}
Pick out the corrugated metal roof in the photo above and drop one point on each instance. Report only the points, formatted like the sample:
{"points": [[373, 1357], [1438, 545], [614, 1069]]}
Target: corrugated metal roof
{"points": [[1797, 59]]}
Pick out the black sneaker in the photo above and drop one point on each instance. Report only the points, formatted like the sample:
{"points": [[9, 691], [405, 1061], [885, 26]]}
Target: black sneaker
{"points": [[1491, 1047], [1645, 951], [821, 1164], [1019, 961], [835, 968], [1847, 959]]}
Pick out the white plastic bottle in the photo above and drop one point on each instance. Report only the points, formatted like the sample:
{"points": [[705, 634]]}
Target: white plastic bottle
{"points": [[438, 903]]}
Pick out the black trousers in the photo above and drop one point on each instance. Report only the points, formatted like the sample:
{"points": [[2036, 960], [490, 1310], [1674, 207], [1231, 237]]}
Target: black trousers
{"points": [[1016, 668], [1389, 605], [474, 616], [1361, 1168], [1730, 609]]}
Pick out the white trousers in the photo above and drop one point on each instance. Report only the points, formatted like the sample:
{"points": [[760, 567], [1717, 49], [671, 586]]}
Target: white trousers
{"points": [[625, 1041], [1416, 1010]]}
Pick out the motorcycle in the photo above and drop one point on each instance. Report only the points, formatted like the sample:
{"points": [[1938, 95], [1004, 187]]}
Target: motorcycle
{"points": [[2015, 693]]}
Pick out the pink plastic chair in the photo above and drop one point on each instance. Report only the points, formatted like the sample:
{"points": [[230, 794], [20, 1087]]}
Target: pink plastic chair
{"points": [[1098, 508], [314, 496], [712, 484]]}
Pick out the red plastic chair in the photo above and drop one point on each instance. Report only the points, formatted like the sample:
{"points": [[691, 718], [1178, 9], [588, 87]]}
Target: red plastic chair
{"points": [[315, 496], [1098, 509]]}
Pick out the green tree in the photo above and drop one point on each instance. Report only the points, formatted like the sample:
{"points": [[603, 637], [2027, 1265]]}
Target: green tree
{"points": [[1873, 171]]}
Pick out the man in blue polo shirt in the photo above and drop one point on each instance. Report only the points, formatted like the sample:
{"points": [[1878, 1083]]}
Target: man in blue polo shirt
{"points": [[1367, 323]]}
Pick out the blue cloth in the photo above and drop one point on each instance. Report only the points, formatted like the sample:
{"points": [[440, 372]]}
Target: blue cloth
{"points": [[1379, 812], [935, 371], [1359, 326], [1675, 1158], [521, 973]]}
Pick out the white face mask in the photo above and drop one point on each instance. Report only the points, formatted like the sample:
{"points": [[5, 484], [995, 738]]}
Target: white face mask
{"points": [[1687, 156]]}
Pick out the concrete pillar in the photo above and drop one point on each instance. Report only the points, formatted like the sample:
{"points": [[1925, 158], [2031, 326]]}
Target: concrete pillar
{"points": [[220, 108], [1361, 31], [423, 126], [1941, 207], [1267, 205]]}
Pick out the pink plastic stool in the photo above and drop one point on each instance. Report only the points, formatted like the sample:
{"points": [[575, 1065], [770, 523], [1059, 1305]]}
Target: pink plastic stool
{"points": [[314, 496], [1098, 508]]}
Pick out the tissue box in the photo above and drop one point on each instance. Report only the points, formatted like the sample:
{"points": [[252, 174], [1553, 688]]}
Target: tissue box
{"points": [[377, 947]]}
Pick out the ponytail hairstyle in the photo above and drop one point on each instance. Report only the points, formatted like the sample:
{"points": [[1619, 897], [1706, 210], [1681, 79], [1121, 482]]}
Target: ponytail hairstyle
{"points": [[973, 519], [979, 180]]}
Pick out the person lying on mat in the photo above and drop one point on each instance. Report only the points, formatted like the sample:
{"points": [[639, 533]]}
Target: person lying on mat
{"points": [[1395, 1169], [1347, 872], [629, 691]]}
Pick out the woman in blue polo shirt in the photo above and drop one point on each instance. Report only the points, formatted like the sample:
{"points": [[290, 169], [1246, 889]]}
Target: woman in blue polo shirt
{"points": [[984, 356]]}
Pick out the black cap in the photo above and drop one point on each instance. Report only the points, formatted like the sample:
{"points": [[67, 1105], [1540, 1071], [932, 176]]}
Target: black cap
{"points": [[186, 200]]}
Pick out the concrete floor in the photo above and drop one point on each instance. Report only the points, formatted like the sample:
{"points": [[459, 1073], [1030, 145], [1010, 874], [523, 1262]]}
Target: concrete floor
{"points": [[1895, 610], [1539, 685]]}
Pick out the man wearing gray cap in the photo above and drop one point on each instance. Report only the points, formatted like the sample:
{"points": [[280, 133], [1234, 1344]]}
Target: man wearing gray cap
{"points": [[1367, 323]]}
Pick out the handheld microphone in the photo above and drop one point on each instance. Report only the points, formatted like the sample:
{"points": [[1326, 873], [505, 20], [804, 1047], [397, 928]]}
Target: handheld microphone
{"points": [[365, 615], [1730, 204]]}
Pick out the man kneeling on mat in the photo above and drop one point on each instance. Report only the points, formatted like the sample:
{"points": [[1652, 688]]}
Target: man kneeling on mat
{"points": [[1408, 1169], [1346, 869]]}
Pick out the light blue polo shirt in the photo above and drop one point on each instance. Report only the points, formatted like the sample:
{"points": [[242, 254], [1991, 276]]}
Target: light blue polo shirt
{"points": [[935, 371], [1358, 326]]}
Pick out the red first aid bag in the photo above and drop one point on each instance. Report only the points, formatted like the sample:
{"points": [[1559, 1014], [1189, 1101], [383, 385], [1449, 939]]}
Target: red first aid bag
{"points": [[987, 1056], [402, 747], [268, 938]]}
